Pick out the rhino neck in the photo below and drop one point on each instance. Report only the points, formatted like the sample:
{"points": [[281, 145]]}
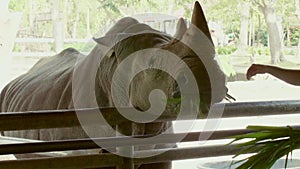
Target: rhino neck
{"points": [[86, 83], [105, 66]]}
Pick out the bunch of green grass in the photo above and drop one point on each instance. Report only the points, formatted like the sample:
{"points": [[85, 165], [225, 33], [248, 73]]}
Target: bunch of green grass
{"points": [[269, 143]]}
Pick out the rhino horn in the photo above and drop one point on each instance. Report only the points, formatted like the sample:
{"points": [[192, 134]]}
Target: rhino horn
{"points": [[180, 29], [198, 19]]}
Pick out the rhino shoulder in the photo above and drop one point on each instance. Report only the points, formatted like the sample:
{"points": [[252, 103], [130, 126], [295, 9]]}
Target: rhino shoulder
{"points": [[67, 55], [68, 52]]}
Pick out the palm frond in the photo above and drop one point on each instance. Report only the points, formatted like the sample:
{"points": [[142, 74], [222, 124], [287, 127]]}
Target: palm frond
{"points": [[269, 143]]}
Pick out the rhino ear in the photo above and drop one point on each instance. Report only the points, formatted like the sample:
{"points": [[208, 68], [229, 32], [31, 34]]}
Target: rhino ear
{"points": [[105, 41], [106, 44], [199, 20], [180, 29]]}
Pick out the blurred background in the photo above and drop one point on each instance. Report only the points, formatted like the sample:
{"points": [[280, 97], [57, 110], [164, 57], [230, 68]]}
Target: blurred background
{"points": [[243, 31]]}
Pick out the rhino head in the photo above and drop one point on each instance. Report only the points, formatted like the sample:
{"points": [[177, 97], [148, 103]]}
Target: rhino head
{"points": [[159, 63]]}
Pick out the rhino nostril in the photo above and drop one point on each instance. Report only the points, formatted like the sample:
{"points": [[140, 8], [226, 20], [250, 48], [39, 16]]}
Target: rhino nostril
{"points": [[176, 94]]}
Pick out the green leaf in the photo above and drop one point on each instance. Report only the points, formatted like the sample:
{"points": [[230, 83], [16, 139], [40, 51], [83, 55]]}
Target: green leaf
{"points": [[269, 143]]}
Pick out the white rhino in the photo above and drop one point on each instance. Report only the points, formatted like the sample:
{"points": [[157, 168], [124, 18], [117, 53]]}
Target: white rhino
{"points": [[49, 84]]}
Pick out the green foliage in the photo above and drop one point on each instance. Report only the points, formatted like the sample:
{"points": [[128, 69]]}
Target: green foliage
{"points": [[285, 8], [17, 5], [289, 52], [226, 12], [102, 13], [261, 37], [269, 144], [294, 36], [289, 65], [259, 50], [105, 12], [17, 48], [227, 50], [227, 68], [83, 47]]}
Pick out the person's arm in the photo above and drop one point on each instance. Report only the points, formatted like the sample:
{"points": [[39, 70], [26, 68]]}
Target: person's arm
{"points": [[288, 75]]}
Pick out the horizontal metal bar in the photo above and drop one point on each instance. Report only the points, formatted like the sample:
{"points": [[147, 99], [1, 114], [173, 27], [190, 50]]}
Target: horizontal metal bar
{"points": [[244, 109], [50, 40], [71, 162], [12, 140], [185, 153], [34, 40], [37, 54], [52, 119], [32, 54], [110, 160], [110, 142]]}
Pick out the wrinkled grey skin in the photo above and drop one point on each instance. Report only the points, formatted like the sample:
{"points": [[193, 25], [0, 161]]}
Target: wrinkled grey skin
{"points": [[48, 84]]}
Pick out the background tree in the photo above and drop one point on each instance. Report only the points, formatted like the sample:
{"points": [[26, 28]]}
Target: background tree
{"points": [[83, 18], [268, 8], [244, 8], [58, 25], [297, 12]]}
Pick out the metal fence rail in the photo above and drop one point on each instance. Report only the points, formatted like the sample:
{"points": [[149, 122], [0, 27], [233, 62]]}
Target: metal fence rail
{"points": [[33, 147], [111, 160], [52, 119]]}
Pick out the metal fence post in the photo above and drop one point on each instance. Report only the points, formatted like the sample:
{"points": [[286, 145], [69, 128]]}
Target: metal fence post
{"points": [[126, 129]]}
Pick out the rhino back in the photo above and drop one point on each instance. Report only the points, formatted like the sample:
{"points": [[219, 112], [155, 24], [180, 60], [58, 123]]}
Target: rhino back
{"points": [[46, 86]]}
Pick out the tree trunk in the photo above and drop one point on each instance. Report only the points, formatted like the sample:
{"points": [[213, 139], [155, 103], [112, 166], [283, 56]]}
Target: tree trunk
{"points": [[74, 32], [298, 51], [275, 37], [88, 27], [243, 38], [31, 17], [252, 41], [297, 7], [288, 35], [58, 28]]}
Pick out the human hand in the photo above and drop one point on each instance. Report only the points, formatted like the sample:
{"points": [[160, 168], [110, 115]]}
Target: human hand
{"points": [[255, 69]]}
